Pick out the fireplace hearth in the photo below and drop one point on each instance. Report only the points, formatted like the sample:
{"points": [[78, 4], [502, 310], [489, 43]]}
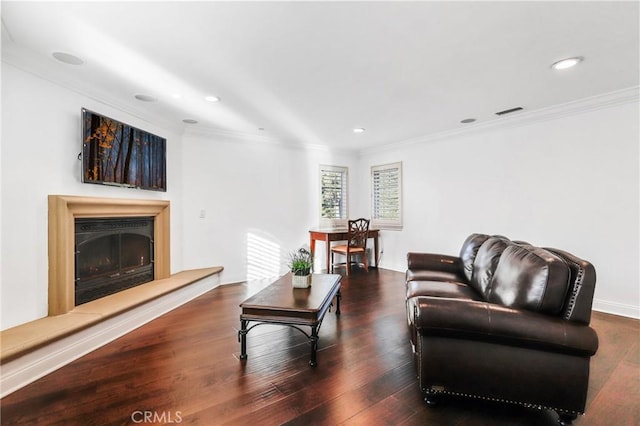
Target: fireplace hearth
{"points": [[111, 255]]}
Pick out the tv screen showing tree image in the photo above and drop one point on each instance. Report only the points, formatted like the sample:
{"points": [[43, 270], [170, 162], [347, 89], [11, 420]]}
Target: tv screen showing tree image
{"points": [[115, 153]]}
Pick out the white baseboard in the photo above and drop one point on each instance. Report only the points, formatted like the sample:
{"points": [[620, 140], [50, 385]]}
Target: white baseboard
{"points": [[622, 309], [26, 369]]}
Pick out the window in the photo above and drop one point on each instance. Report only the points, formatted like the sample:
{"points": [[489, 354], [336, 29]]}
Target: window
{"points": [[386, 196], [333, 196]]}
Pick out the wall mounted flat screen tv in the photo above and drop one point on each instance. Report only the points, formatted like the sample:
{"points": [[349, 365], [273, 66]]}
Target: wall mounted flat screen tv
{"points": [[114, 153]]}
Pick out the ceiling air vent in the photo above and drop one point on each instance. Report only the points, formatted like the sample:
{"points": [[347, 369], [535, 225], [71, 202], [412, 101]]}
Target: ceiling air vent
{"points": [[508, 111]]}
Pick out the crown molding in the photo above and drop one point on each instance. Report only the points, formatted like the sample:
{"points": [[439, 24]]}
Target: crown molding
{"points": [[5, 30], [593, 103], [32, 66], [29, 65], [253, 139]]}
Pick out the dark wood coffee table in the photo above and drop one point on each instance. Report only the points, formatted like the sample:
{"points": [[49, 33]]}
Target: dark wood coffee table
{"points": [[280, 303]]}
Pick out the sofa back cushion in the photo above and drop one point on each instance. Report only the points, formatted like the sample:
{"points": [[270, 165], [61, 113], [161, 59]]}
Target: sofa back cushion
{"points": [[485, 264], [469, 250], [530, 278]]}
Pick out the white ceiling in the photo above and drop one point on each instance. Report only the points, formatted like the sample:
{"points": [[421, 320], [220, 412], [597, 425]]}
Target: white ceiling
{"points": [[309, 72]]}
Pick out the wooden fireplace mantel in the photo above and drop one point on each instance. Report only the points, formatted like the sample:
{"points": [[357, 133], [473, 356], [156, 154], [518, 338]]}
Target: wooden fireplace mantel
{"points": [[64, 209]]}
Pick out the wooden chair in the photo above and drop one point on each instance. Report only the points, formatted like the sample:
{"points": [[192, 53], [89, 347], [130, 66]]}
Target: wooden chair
{"points": [[356, 244]]}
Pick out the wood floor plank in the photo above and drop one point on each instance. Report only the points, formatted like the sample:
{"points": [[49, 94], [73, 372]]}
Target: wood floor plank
{"points": [[616, 398], [389, 411], [185, 365]]}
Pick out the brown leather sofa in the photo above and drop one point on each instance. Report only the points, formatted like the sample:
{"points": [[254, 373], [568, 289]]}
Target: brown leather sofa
{"points": [[503, 321]]}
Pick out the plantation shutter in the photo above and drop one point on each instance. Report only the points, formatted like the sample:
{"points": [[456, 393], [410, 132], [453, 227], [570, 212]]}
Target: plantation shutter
{"points": [[333, 196], [386, 193]]}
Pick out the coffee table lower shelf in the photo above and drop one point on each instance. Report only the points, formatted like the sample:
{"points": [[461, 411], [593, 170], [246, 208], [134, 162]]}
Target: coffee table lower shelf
{"points": [[281, 304]]}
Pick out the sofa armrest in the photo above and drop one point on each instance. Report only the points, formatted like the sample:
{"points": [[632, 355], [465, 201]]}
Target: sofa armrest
{"points": [[476, 320]]}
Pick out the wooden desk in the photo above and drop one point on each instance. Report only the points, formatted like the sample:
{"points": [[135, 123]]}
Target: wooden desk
{"points": [[338, 234]]}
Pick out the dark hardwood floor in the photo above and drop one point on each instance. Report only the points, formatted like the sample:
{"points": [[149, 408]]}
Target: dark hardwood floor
{"points": [[183, 368]]}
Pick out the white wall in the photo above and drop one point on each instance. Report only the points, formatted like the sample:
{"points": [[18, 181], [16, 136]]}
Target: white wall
{"points": [[260, 199], [253, 193], [570, 183], [40, 146]]}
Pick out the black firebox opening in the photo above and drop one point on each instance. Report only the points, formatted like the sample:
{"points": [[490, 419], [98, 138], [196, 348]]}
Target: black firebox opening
{"points": [[112, 254]]}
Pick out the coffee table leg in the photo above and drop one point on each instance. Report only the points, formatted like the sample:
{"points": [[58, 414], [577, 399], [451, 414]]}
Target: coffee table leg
{"points": [[314, 346], [338, 297], [242, 336]]}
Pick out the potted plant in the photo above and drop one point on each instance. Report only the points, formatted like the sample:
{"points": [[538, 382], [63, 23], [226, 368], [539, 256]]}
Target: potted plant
{"points": [[301, 265]]}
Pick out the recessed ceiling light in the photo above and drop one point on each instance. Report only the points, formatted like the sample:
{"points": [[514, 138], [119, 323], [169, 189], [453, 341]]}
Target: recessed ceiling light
{"points": [[67, 58], [468, 120], [176, 95], [567, 63], [190, 121], [146, 98], [212, 98], [358, 130]]}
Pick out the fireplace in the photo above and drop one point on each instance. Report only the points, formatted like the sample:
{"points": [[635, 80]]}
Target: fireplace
{"points": [[111, 255], [67, 212]]}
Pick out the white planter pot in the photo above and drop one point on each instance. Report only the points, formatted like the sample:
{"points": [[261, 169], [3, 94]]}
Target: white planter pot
{"points": [[301, 281]]}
